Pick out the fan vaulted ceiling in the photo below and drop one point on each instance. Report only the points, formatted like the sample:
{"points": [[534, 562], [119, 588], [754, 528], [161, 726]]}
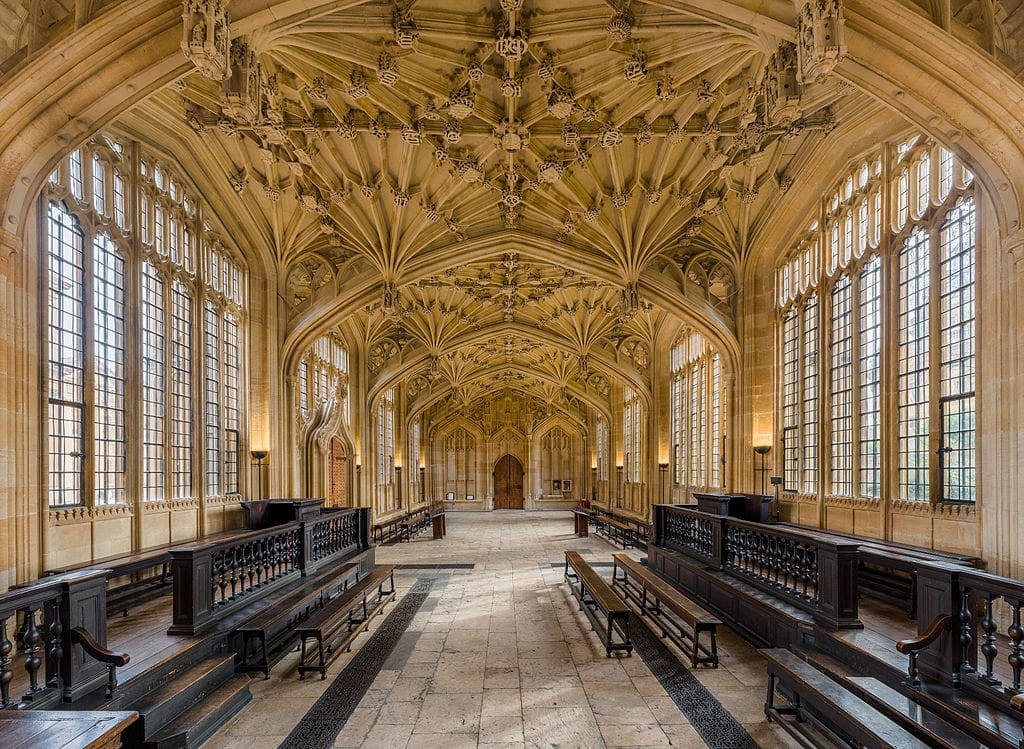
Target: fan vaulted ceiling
{"points": [[622, 139]]}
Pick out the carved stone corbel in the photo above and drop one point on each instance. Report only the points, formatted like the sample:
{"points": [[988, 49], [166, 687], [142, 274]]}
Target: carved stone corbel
{"points": [[820, 39], [1014, 245], [10, 244], [206, 37], [781, 87]]}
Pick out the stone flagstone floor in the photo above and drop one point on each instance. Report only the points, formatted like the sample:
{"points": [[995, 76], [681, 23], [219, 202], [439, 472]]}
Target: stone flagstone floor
{"points": [[500, 656]]}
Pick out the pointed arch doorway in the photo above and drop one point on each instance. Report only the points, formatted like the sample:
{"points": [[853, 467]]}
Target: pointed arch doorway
{"points": [[337, 490], [508, 484]]}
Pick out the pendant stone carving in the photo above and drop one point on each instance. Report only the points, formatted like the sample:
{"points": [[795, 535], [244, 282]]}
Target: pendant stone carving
{"points": [[821, 41], [206, 37]]}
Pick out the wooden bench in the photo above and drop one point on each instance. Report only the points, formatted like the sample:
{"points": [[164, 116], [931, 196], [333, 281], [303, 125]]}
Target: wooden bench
{"points": [[818, 702], [341, 619], [640, 584], [581, 523], [595, 595], [125, 595], [908, 714], [403, 527], [267, 631], [625, 531]]}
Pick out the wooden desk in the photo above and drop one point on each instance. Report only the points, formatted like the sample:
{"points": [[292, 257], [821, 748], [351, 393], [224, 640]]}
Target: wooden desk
{"points": [[63, 729]]}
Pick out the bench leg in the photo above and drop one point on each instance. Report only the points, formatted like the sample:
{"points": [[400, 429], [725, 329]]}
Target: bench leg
{"points": [[266, 661], [302, 657], [323, 663], [769, 701]]}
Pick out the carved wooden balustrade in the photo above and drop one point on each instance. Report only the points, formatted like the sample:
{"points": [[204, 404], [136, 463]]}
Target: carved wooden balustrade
{"points": [[813, 572], [214, 579], [979, 636], [36, 623]]}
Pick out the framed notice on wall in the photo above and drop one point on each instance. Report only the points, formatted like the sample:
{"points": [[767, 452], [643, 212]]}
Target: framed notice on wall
{"points": [[556, 485], [566, 485], [450, 496]]}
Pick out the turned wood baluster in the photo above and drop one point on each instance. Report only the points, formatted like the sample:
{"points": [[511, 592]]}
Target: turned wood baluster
{"points": [[988, 645], [763, 562], [965, 632], [6, 674], [267, 552], [222, 577], [251, 563], [787, 570], [33, 644], [233, 563], [56, 651], [813, 561], [776, 544], [1016, 633], [805, 569]]}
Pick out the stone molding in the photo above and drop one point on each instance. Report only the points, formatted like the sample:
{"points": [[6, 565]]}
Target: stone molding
{"points": [[807, 499], [957, 511], [230, 499], [863, 503], [170, 505], [73, 515]]}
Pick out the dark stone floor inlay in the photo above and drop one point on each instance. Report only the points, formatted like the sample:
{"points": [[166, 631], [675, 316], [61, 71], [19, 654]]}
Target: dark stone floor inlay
{"points": [[440, 566], [320, 726], [706, 714]]}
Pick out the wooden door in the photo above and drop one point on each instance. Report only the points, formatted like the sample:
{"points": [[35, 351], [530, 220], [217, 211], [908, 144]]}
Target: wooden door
{"points": [[508, 484], [337, 492]]}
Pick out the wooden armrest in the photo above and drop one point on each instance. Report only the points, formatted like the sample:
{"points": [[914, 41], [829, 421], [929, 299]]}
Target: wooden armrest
{"points": [[89, 645], [937, 627], [1017, 702]]}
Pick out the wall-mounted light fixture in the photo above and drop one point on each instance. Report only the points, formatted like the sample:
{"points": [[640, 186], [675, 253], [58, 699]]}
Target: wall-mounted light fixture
{"points": [[259, 456], [762, 450]]}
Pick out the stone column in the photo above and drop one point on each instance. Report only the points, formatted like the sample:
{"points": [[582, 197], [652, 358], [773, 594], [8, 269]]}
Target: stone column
{"points": [[22, 507], [1000, 398]]}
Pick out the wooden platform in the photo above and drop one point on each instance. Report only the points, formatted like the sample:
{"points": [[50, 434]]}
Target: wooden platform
{"points": [[61, 729]]}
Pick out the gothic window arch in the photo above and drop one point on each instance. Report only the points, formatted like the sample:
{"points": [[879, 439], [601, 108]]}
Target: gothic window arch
{"points": [[697, 413], [902, 282], [632, 435], [122, 239]]}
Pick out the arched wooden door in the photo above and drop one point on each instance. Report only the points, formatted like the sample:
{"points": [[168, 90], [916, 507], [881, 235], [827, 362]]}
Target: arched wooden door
{"points": [[337, 492], [508, 484]]}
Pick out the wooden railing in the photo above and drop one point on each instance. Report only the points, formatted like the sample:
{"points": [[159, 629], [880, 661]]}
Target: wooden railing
{"points": [[815, 573], [214, 579], [982, 652], [36, 623]]}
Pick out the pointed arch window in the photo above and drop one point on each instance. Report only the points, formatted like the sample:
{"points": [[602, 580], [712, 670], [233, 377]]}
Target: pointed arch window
{"points": [[927, 323], [95, 249]]}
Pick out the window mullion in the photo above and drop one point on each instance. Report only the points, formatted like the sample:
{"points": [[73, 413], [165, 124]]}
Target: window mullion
{"points": [[936, 489], [89, 364]]}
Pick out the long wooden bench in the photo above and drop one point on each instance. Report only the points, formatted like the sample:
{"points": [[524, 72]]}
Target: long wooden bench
{"points": [[348, 611], [265, 633], [909, 714], [624, 531], [403, 527], [136, 591], [817, 702], [641, 585], [595, 595]]}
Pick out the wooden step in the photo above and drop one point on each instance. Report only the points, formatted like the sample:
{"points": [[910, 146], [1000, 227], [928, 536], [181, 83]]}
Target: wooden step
{"points": [[160, 707], [158, 673], [199, 722], [907, 713]]}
